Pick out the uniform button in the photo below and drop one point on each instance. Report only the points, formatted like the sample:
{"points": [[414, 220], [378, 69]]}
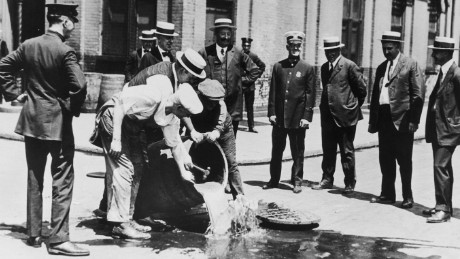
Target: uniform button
{"points": [[288, 82], [290, 72]]}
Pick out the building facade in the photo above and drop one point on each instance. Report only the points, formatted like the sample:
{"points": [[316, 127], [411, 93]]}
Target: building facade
{"points": [[109, 29]]}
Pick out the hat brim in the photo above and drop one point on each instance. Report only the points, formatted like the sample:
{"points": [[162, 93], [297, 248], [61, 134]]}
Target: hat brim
{"points": [[334, 47], [389, 40], [151, 39], [222, 26], [165, 34], [178, 57], [433, 47]]}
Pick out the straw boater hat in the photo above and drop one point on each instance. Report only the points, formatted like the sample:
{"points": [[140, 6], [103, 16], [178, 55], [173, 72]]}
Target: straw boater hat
{"points": [[443, 43], [391, 36], [193, 62], [166, 28], [294, 36], [222, 23], [147, 35], [332, 43]]}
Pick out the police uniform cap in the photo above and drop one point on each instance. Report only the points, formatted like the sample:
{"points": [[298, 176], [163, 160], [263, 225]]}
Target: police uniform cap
{"points": [[294, 36], [69, 10], [248, 40], [212, 89]]}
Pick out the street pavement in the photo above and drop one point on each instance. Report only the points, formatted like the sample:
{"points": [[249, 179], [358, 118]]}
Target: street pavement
{"points": [[347, 216], [251, 148]]}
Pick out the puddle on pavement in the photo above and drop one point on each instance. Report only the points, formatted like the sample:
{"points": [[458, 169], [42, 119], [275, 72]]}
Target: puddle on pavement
{"points": [[274, 244]]}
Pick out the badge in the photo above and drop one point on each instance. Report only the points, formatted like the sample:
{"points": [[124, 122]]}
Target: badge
{"points": [[298, 74]]}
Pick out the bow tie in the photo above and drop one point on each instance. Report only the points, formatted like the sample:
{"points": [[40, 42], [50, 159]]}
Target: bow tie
{"points": [[146, 50], [166, 53]]}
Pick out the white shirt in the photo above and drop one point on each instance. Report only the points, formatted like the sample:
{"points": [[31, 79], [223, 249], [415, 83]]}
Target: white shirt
{"points": [[219, 52], [141, 102], [165, 58], [445, 69], [384, 97]]}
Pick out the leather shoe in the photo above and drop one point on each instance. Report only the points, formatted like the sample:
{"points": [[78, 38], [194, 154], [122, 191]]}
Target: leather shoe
{"points": [[324, 184], [297, 189], [67, 248], [407, 203], [270, 185], [383, 200], [34, 241], [253, 130], [100, 213], [348, 190], [439, 217], [429, 212], [127, 231]]}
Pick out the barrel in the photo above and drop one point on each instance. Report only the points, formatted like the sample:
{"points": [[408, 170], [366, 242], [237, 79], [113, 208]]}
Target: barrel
{"points": [[162, 190], [110, 85], [93, 85]]}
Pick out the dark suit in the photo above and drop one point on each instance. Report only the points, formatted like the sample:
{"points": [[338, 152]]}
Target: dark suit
{"points": [[344, 91], [132, 64], [237, 68], [291, 98], [443, 131], [3, 52], [152, 58], [56, 90], [406, 94], [249, 88]]}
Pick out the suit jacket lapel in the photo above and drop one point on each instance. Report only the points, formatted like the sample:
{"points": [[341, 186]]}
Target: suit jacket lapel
{"points": [[399, 65], [156, 53], [230, 53], [447, 78], [336, 69], [380, 77]]}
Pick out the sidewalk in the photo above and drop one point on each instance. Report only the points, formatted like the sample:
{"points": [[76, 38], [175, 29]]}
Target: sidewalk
{"points": [[251, 148]]}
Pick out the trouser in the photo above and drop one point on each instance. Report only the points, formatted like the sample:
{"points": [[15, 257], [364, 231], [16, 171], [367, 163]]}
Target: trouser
{"points": [[228, 145], [62, 153], [394, 146], [443, 176], [235, 126], [124, 173], [297, 144], [249, 103], [331, 136]]}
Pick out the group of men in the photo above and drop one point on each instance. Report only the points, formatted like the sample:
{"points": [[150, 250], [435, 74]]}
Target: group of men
{"points": [[395, 109], [204, 91]]}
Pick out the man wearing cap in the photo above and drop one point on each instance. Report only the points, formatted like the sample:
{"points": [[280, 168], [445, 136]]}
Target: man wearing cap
{"points": [[56, 89], [118, 124], [443, 126], [396, 106], [249, 89], [188, 68], [344, 91], [230, 66], [165, 36], [134, 59], [290, 109], [209, 122]]}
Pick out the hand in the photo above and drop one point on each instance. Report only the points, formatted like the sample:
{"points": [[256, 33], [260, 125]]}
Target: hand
{"points": [[188, 176], [212, 136], [115, 149], [188, 164], [413, 127], [196, 136], [304, 124], [272, 120], [22, 98]]}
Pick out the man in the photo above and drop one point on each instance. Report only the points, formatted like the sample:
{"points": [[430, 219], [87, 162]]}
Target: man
{"points": [[56, 90], [442, 127], [343, 94], [3, 52], [134, 60], [118, 124], [290, 109], [211, 94], [248, 89], [165, 37], [188, 68], [396, 107], [230, 66]]}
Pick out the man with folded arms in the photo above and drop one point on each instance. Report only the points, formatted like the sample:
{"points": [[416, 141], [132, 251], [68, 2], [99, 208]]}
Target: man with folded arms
{"points": [[443, 127]]}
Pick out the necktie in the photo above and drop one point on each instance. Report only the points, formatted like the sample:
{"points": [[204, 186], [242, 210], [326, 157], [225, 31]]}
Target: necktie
{"points": [[222, 52], [389, 69]]}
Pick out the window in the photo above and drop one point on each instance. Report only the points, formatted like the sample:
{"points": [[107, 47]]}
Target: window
{"points": [[352, 26]]}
